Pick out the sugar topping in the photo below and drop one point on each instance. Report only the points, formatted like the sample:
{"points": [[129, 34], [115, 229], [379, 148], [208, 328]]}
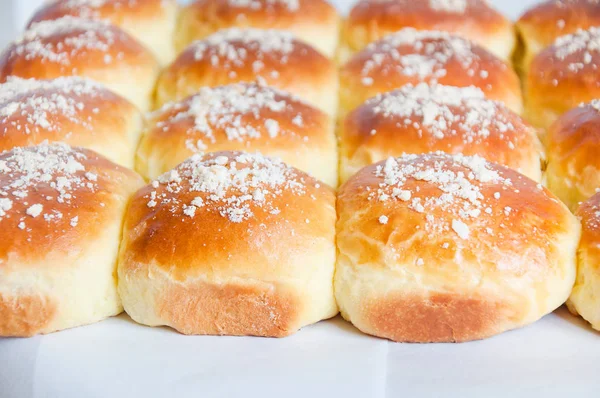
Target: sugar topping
{"points": [[232, 47], [39, 101], [77, 34], [458, 179], [233, 186], [594, 104], [431, 51], [579, 48], [24, 171], [449, 6], [441, 111], [255, 5], [228, 109]]}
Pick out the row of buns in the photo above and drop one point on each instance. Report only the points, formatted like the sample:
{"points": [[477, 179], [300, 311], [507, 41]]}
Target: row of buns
{"points": [[437, 246]]}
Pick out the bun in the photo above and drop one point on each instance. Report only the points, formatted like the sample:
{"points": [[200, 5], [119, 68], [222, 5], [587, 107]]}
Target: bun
{"points": [[442, 248], [61, 213], [273, 58], [584, 298], [72, 46], [411, 56], [543, 23], [240, 117], [220, 246], [563, 76], [476, 20], [151, 22], [315, 22], [422, 119], [72, 110], [573, 143]]}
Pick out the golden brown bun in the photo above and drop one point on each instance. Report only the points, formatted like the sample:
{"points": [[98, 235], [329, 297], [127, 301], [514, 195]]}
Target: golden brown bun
{"points": [[273, 58], [61, 213], [151, 22], [585, 298], [371, 20], [449, 248], [230, 244], [412, 56], [563, 76], [72, 46], [72, 110], [422, 119], [573, 145], [240, 117], [543, 23], [315, 22]]}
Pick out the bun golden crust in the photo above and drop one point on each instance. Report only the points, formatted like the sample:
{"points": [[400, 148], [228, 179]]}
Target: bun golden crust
{"points": [[72, 110], [412, 56], [441, 248], [315, 22], [476, 20], [422, 119], [563, 76], [273, 58], [586, 293], [219, 246], [240, 117], [151, 22], [72, 46], [543, 23], [60, 214], [573, 143]]}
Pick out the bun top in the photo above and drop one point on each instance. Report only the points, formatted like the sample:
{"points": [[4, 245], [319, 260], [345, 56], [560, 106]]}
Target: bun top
{"points": [[243, 196], [589, 214], [53, 197], [423, 118]]}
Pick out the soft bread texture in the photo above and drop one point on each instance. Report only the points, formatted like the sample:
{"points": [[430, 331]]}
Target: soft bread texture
{"points": [[371, 20], [270, 57], [230, 244], [585, 298], [442, 248], [61, 216], [412, 56], [543, 23], [151, 22], [241, 117], [315, 22], [73, 110], [422, 119], [563, 76], [72, 46], [573, 146]]}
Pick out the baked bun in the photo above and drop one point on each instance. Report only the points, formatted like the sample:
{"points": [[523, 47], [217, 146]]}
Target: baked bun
{"points": [[422, 119], [563, 76], [573, 146], [230, 244], [271, 57], [543, 23], [240, 117], [61, 213], [151, 22], [585, 298], [412, 56], [72, 46], [448, 248], [315, 22], [72, 110], [476, 20]]}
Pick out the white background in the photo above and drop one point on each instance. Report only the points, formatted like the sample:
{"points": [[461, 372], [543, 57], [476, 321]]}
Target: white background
{"points": [[556, 357]]}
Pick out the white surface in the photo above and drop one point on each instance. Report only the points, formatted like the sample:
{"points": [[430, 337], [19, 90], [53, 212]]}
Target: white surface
{"points": [[556, 357]]}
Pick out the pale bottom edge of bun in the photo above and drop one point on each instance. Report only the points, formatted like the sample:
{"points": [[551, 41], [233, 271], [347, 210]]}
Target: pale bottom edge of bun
{"points": [[585, 298]]}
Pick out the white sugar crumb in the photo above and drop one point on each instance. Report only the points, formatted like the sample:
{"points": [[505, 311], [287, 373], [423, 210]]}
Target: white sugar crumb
{"points": [[239, 110], [439, 112], [233, 185], [461, 229], [579, 49], [420, 262], [21, 225], [450, 6], [594, 104], [74, 221], [78, 35], [383, 220], [35, 210], [256, 5]]}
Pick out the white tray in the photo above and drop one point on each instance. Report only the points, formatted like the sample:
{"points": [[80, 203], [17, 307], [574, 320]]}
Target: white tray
{"points": [[557, 357]]}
